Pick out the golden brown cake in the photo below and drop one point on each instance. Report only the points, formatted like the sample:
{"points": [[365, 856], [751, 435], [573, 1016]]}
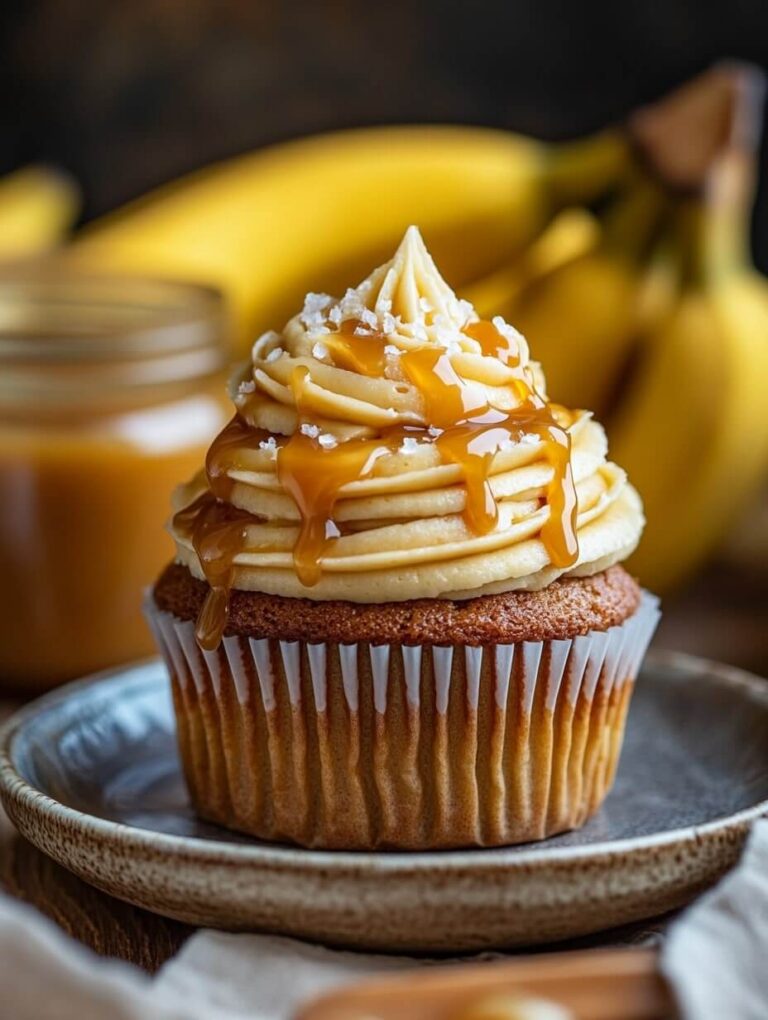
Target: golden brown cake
{"points": [[396, 617]]}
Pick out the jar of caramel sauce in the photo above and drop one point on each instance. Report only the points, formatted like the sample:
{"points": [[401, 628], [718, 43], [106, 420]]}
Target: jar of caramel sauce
{"points": [[110, 392]]}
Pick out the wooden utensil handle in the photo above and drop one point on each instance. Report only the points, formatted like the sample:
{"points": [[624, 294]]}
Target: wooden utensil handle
{"points": [[604, 984]]}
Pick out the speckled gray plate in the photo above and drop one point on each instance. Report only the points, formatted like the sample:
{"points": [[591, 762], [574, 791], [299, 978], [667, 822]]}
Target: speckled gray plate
{"points": [[90, 775]]}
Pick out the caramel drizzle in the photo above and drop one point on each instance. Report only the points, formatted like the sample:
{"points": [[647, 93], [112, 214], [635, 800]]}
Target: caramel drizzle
{"points": [[466, 428], [219, 533], [314, 476], [358, 348]]}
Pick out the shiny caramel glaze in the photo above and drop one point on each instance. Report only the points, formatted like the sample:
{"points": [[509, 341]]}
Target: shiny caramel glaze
{"points": [[466, 429]]}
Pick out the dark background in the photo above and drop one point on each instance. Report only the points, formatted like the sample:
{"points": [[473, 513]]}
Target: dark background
{"points": [[129, 93]]}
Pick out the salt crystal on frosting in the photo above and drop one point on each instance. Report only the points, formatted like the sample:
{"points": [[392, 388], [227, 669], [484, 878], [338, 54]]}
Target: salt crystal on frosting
{"points": [[315, 303], [312, 314], [506, 330], [327, 441], [310, 430], [388, 323], [352, 306], [269, 445], [274, 354], [319, 351], [466, 310], [526, 439], [246, 386], [409, 445]]}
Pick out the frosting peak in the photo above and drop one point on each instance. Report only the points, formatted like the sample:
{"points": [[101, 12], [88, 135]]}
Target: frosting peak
{"points": [[389, 445], [411, 290]]}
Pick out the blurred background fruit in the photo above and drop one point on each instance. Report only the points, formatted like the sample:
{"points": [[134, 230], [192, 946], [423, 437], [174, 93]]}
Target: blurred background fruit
{"points": [[38, 207], [325, 209]]}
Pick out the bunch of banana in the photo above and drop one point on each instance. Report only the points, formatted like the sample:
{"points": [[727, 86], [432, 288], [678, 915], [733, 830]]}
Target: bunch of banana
{"points": [[692, 428], [579, 245], [659, 322], [38, 206]]}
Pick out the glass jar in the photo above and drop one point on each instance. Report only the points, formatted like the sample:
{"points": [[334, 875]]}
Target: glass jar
{"points": [[110, 393]]}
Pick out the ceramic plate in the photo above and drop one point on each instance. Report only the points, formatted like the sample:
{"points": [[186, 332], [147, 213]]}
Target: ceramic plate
{"points": [[90, 775]]}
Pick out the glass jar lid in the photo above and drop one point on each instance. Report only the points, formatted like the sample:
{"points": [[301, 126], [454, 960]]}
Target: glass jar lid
{"points": [[74, 339]]}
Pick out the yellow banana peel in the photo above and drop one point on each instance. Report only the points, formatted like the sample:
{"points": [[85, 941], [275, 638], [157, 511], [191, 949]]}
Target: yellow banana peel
{"points": [[325, 209], [572, 233]]}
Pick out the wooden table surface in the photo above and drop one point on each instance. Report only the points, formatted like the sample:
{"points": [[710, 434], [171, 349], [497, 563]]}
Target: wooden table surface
{"points": [[724, 615]]}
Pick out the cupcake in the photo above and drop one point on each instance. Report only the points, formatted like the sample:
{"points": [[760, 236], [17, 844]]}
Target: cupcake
{"points": [[396, 617]]}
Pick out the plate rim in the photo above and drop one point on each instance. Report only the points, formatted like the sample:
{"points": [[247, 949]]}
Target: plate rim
{"points": [[16, 788]]}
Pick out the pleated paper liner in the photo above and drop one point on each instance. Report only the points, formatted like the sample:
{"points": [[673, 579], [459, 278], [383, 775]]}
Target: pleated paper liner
{"points": [[360, 746]]}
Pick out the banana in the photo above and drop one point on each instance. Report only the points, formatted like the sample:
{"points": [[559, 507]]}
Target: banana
{"points": [[692, 431], [325, 209], [582, 318], [571, 233], [38, 205]]}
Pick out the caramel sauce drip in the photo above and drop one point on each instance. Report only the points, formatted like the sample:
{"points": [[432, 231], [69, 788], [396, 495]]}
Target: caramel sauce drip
{"points": [[223, 455], [219, 533], [313, 476], [466, 428], [358, 348], [473, 432]]}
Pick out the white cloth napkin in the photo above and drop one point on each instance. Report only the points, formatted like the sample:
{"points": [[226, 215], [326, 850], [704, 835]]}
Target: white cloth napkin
{"points": [[716, 955], [716, 958]]}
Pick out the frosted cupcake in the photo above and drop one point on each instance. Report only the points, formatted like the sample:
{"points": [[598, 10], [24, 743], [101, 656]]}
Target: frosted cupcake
{"points": [[396, 617]]}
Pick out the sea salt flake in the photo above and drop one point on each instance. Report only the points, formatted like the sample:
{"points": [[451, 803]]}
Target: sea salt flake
{"points": [[319, 351], [246, 386], [334, 316], [327, 441], [274, 354], [409, 445], [434, 431], [269, 445], [352, 305], [465, 310], [315, 303], [369, 318], [310, 430], [508, 331], [393, 351]]}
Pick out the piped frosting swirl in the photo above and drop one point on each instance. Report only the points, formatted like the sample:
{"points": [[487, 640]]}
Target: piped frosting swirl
{"points": [[390, 446]]}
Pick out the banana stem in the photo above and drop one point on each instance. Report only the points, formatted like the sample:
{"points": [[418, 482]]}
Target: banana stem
{"points": [[631, 224], [579, 172], [714, 228]]}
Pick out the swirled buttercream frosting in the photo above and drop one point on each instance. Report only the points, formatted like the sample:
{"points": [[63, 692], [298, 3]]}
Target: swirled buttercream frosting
{"points": [[390, 445]]}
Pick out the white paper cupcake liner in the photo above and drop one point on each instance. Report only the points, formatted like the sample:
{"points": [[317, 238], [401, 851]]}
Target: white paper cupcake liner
{"points": [[361, 746]]}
